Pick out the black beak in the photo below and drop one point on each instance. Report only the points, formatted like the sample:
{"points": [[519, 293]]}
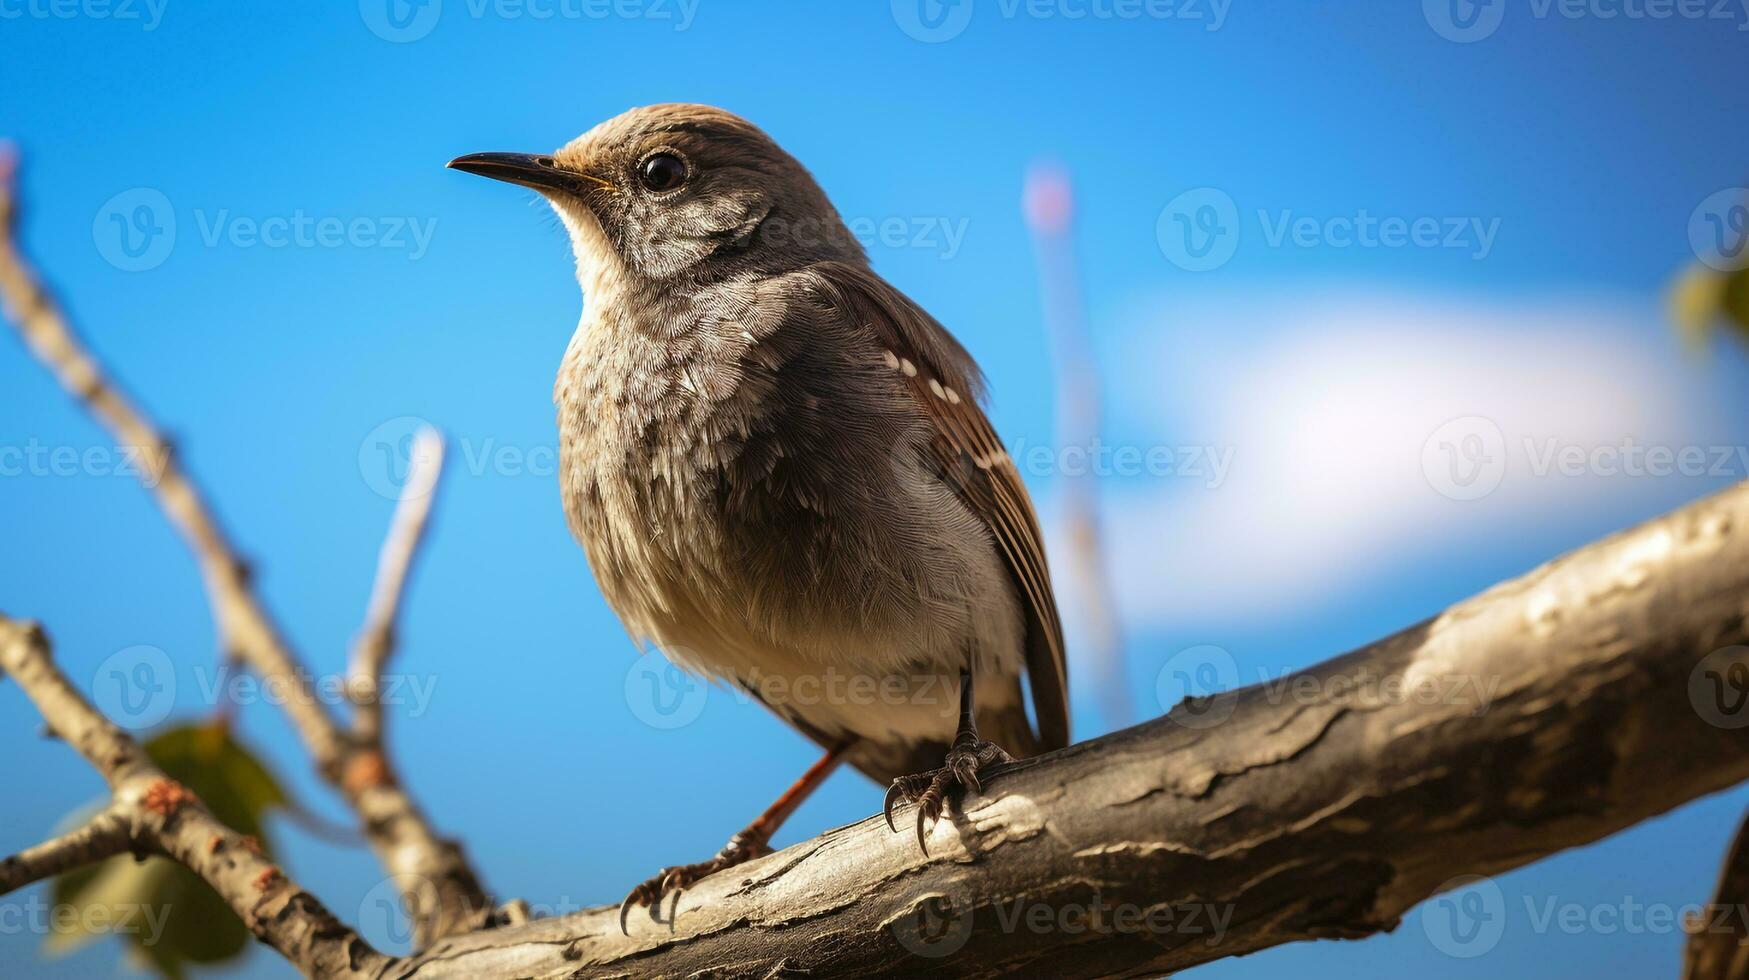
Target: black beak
{"points": [[527, 169]]}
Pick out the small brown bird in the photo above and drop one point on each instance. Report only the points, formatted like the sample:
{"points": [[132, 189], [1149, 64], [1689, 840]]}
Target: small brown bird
{"points": [[778, 467]]}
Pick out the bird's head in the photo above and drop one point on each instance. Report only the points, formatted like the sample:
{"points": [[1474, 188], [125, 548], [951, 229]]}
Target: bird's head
{"points": [[676, 190]]}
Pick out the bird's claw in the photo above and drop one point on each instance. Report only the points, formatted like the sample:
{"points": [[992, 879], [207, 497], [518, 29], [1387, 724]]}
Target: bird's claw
{"points": [[929, 790], [674, 880]]}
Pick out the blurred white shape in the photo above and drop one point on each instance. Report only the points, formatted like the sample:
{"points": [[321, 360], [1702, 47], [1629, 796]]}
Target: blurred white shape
{"points": [[1343, 414]]}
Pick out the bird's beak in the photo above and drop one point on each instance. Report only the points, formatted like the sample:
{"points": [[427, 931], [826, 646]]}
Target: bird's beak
{"points": [[529, 170]]}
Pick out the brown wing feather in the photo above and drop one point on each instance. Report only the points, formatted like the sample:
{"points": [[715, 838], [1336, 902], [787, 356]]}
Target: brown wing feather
{"points": [[946, 384]]}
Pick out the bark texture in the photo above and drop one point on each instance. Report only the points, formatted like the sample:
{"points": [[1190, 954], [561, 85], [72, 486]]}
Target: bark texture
{"points": [[1544, 714]]}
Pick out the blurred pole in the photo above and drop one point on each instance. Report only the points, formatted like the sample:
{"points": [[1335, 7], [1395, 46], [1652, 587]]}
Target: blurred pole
{"points": [[1048, 202]]}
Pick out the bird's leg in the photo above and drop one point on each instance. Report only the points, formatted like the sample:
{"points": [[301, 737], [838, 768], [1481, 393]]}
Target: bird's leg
{"points": [[965, 758], [754, 841]]}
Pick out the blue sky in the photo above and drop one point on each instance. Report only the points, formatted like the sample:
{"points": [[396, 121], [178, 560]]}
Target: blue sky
{"points": [[1564, 152]]}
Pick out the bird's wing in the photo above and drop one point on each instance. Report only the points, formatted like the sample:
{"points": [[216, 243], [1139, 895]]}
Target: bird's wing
{"points": [[946, 385]]}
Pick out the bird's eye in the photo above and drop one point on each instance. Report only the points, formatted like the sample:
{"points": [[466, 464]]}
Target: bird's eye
{"points": [[662, 172]]}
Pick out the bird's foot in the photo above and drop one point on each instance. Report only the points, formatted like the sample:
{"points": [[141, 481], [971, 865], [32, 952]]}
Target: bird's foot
{"points": [[673, 881], [930, 790]]}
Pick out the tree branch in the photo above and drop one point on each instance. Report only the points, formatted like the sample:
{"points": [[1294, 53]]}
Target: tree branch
{"points": [[1718, 946], [1544, 714], [376, 641], [103, 836], [440, 888], [151, 812]]}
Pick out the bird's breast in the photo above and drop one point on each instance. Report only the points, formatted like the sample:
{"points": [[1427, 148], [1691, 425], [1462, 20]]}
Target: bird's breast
{"points": [[749, 505]]}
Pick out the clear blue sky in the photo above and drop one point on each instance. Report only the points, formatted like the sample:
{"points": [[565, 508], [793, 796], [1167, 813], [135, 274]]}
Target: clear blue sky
{"points": [[1591, 139]]}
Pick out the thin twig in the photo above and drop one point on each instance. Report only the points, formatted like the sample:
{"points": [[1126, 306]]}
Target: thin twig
{"points": [[441, 887], [1718, 940], [104, 835], [1050, 214], [376, 641]]}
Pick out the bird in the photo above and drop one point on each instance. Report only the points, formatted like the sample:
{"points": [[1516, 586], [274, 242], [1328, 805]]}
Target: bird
{"points": [[779, 470]]}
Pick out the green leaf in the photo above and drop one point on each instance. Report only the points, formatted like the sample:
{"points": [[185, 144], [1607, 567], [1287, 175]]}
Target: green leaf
{"points": [[1734, 301], [1703, 300], [165, 913], [226, 776]]}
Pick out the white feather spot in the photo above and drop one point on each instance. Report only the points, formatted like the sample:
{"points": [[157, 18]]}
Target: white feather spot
{"points": [[935, 386], [906, 366], [891, 358], [953, 397]]}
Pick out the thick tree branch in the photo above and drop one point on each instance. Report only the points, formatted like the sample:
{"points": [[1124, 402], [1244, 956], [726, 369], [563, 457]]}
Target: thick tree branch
{"points": [[150, 812], [1544, 714], [440, 887]]}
